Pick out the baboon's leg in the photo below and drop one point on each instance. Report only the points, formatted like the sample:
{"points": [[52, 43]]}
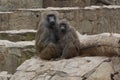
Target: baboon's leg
{"points": [[70, 51], [49, 52]]}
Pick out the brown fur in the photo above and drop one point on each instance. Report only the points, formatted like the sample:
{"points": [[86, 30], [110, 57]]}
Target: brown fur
{"points": [[69, 42], [45, 39]]}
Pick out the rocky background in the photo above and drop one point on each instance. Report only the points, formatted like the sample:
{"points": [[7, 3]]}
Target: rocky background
{"points": [[19, 20], [74, 3]]}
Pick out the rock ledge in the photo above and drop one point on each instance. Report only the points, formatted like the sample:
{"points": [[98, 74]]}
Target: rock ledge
{"points": [[85, 68]]}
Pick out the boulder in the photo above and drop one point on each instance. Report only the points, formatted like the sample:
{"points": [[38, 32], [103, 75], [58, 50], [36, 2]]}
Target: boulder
{"points": [[79, 68], [5, 76], [12, 54]]}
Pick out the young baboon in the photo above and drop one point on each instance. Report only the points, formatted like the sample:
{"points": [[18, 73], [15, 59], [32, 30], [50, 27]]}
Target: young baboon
{"points": [[70, 45], [69, 42], [47, 36]]}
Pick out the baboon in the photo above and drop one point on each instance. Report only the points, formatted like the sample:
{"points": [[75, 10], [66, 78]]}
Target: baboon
{"points": [[47, 36], [69, 43]]}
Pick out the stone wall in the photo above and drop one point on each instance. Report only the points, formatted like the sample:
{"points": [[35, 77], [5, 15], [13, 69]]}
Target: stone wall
{"points": [[74, 3], [13, 4], [18, 20], [65, 3], [13, 54], [6, 5], [90, 20]]}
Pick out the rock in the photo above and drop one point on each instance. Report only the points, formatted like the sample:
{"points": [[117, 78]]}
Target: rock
{"points": [[19, 20], [8, 5], [14, 4], [88, 20], [4, 20], [80, 68], [80, 3], [12, 54], [5, 76], [18, 35]]}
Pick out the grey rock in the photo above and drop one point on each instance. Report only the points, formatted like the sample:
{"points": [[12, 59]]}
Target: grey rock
{"points": [[5, 76], [89, 68], [12, 54], [80, 3], [88, 20], [19, 20], [18, 35], [14, 4]]}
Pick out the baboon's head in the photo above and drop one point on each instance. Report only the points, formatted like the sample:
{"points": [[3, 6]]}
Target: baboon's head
{"points": [[51, 19], [63, 26]]}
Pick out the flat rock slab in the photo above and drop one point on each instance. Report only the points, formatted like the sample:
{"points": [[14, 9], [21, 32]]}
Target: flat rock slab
{"points": [[81, 68], [18, 35], [19, 44]]}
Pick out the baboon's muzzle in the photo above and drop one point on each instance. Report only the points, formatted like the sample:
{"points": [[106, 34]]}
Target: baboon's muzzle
{"points": [[52, 21]]}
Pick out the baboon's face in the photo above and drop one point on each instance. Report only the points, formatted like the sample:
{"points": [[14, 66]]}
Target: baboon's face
{"points": [[63, 28], [51, 18]]}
